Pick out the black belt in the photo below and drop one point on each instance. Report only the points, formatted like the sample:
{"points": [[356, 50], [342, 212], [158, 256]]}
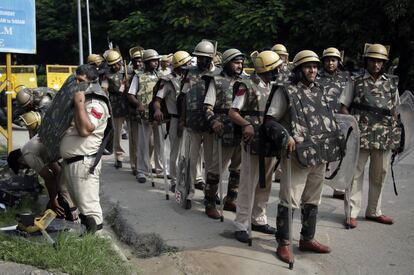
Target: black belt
{"points": [[77, 158], [375, 110], [252, 113], [221, 111]]}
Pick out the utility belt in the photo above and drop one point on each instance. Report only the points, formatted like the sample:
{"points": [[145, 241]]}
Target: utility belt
{"points": [[372, 109], [77, 158]]}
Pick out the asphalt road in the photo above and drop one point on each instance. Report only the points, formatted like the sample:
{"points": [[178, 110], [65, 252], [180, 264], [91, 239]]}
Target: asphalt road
{"points": [[208, 247]]}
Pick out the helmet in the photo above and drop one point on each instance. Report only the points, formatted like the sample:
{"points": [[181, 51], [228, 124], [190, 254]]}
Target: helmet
{"points": [[135, 52], [217, 58], [265, 61], [180, 58], [304, 57], [24, 97], [280, 49], [229, 54], [150, 54], [205, 48], [333, 52], [95, 59], [376, 51], [113, 57], [166, 57], [31, 120]]}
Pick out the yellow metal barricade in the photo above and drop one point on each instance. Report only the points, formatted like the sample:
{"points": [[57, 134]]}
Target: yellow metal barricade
{"points": [[57, 74], [21, 76]]}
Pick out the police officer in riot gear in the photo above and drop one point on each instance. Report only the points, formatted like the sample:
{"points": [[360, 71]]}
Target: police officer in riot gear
{"points": [[194, 87], [302, 108], [247, 111], [168, 90], [218, 102], [115, 84], [373, 99], [140, 95]]}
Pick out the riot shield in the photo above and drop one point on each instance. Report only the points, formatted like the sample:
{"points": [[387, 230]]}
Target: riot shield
{"points": [[406, 112], [345, 174], [183, 185]]}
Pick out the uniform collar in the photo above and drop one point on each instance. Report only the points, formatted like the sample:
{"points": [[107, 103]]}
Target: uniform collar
{"points": [[368, 75], [301, 85]]}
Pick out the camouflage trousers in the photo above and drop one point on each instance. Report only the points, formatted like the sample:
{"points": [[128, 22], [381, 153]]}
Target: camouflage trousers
{"points": [[249, 183], [378, 169]]}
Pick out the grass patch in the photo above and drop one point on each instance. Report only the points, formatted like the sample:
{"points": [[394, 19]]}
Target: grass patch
{"points": [[87, 255]]}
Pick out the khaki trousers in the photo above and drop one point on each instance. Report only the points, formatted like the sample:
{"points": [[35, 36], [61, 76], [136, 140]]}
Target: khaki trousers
{"points": [[118, 151], [194, 141], [144, 149], [249, 181], [306, 184], [174, 148], [83, 187], [230, 154], [133, 142], [378, 168]]}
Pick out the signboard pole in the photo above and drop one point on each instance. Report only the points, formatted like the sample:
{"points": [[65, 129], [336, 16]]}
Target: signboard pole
{"points": [[9, 103], [80, 33], [88, 20]]}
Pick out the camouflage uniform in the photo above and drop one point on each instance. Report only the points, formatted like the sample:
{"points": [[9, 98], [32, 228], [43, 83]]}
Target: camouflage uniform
{"points": [[142, 87], [119, 104], [194, 87], [220, 97], [304, 111], [168, 90], [284, 73], [373, 103], [334, 84], [250, 99]]}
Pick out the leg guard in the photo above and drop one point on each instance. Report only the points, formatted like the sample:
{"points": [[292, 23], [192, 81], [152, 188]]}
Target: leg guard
{"points": [[233, 186], [282, 223], [211, 188], [309, 215]]}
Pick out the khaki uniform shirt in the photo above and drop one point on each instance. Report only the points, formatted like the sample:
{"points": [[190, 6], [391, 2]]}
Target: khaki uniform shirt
{"points": [[73, 144]]}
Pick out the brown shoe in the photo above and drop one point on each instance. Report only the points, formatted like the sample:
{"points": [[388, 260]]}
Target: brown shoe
{"points": [[212, 212], [229, 205], [381, 219], [283, 253], [313, 246], [352, 223]]}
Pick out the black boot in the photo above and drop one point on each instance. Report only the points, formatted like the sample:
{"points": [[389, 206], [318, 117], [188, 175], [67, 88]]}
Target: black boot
{"points": [[90, 224], [309, 215], [210, 196]]}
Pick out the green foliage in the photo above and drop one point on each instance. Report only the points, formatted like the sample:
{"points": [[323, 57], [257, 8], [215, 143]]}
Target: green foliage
{"points": [[245, 24]]}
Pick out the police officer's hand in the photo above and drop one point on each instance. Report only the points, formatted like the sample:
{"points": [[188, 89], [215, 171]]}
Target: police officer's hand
{"points": [[141, 108], [158, 116], [218, 128], [291, 146], [55, 206], [248, 133]]}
